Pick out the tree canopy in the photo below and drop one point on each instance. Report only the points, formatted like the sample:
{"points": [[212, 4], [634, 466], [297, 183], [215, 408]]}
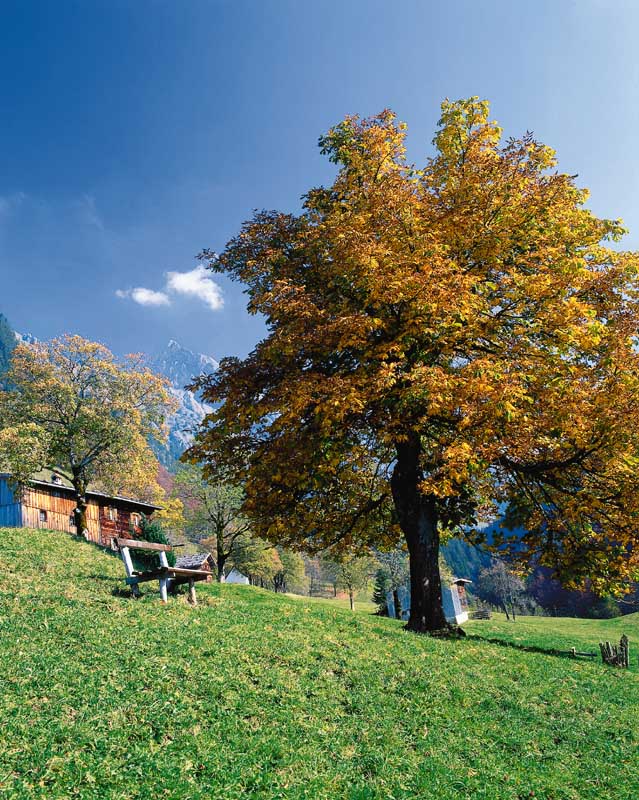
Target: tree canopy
{"points": [[441, 339]]}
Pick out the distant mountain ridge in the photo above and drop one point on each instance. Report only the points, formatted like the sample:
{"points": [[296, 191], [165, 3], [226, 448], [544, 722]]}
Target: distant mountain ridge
{"points": [[181, 366]]}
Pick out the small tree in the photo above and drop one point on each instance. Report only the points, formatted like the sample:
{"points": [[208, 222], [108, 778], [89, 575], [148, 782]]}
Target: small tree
{"points": [[7, 346], [395, 564], [291, 577], [329, 570], [501, 587], [151, 530], [354, 573], [171, 516], [381, 587], [313, 568], [212, 513], [258, 560], [92, 412]]}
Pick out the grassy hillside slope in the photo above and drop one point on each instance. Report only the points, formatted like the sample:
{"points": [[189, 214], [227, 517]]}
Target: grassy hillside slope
{"points": [[262, 696]]}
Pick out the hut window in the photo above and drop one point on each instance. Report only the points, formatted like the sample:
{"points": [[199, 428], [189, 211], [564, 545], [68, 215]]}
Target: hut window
{"points": [[112, 513], [43, 515], [135, 519], [72, 520]]}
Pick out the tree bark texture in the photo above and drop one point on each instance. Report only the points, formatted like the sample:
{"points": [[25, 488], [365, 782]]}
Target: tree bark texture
{"points": [[417, 517], [397, 604], [221, 556], [81, 505]]}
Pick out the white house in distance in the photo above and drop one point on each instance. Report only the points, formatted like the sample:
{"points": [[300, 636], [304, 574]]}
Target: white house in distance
{"points": [[235, 576], [454, 601]]}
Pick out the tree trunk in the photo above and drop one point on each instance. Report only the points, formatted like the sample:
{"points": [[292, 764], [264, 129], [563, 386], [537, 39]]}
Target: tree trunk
{"points": [[351, 597], [417, 517], [397, 604], [81, 504], [221, 556]]}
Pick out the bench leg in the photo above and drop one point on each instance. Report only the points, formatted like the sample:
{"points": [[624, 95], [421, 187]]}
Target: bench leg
{"points": [[128, 568], [163, 590], [192, 596]]}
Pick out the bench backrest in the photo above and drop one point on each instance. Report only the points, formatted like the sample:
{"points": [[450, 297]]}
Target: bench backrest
{"points": [[135, 544]]}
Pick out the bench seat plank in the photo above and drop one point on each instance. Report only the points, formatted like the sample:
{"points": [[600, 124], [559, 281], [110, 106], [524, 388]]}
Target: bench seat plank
{"points": [[189, 573]]}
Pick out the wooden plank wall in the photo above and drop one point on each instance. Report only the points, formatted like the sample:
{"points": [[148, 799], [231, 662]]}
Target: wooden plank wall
{"points": [[118, 528], [93, 522], [6, 493], [58, 506], [11, 516], [10, 511]]}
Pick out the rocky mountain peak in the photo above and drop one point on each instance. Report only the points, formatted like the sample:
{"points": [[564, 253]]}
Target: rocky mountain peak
{"points": [[181, 366]]}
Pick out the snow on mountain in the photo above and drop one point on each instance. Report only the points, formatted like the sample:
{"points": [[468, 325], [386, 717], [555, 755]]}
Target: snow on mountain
{"points": [[27, 338], [180, 366]]}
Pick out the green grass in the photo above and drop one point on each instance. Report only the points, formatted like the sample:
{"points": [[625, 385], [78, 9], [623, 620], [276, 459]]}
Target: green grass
{"points": [[363, 606], [558, 634], [263, 696]]}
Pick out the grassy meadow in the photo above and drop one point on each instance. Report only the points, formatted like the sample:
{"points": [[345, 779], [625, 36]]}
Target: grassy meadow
{"points": [[258, 695]]}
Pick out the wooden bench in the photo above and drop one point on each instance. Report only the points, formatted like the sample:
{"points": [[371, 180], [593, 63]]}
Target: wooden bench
{"points": [[166, 576]]}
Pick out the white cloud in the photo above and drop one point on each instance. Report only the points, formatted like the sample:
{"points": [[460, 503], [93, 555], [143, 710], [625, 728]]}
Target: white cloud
{"points": [[196, 283], [145, 297]]}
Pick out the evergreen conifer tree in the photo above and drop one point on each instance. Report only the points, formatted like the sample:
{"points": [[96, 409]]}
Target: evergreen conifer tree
{"points": [[7, 343]]}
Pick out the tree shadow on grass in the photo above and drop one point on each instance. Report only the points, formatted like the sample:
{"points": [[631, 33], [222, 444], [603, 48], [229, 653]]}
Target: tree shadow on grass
{"points": [[530, 648]]}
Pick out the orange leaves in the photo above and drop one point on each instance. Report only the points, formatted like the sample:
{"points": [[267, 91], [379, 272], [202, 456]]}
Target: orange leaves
{"points": [[471, 301]]}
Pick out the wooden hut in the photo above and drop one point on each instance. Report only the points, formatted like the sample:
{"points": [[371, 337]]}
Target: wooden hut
{"points": [[49, 502], [199, 561]]}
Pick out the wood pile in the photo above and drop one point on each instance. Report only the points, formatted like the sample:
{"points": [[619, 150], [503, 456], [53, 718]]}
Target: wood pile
{"points": [[617, 655], [481, 613]]}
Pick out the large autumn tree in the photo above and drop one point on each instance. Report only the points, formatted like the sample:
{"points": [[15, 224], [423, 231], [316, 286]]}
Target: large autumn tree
{"points": [[86, 414], [441, 340]]}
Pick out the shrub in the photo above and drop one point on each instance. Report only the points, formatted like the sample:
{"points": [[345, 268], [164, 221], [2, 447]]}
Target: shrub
{"points": [[151, 531]]}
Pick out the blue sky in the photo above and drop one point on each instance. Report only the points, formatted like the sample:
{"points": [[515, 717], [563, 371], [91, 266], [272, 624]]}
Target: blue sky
{"points": [[133, 134]]}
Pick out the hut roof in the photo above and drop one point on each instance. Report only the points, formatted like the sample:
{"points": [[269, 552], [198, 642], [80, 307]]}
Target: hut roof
{"points": [[194, 560]]}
